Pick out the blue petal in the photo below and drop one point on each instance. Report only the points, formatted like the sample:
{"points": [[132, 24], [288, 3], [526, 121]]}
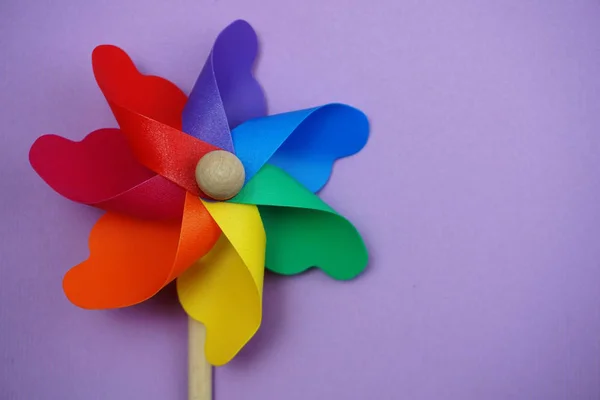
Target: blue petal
{"points": [[303, 143]]}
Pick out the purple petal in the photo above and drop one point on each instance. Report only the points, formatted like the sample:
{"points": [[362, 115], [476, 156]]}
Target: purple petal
{"points": [[225, 94]]}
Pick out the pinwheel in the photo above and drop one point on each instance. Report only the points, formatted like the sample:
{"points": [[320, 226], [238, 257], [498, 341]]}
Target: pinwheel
{"points": [[206, 190]]}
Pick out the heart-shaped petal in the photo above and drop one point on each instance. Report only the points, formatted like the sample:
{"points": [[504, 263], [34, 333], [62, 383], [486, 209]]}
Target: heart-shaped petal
{"points": [[224, 289], [225, 94], [302, 231], [101, 171], [304, 143], [132, 259], [122, 84], [154, 134]]}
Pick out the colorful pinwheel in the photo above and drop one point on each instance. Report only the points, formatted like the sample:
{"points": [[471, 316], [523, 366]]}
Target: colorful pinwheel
{"points": [[160, 226]]}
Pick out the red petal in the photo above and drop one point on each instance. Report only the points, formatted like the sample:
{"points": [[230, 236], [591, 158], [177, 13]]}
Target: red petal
{"points": [[153, 130], [122, 84], [101, 171]]}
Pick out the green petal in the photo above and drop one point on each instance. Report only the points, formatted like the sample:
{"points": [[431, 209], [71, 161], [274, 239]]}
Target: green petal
{"points": [[302, 231]]}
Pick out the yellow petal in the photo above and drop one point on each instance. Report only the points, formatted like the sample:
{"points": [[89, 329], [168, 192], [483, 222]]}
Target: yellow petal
{"points": [[223, 290]]}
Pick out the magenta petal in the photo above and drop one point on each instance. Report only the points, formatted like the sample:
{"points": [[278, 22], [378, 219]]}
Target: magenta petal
{"points": [[101, 171]]}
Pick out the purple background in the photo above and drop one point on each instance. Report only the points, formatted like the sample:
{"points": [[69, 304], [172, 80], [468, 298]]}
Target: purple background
{"points": [[478, 195]]}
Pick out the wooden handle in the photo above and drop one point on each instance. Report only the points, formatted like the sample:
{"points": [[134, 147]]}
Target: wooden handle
{"points": [[199, 370]]}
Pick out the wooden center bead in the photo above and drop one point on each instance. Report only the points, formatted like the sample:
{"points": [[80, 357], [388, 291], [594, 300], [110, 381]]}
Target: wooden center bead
{"points": [[220, 174]]}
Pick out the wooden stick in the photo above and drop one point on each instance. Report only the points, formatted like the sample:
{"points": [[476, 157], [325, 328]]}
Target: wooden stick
{"points": [[199, 370]]}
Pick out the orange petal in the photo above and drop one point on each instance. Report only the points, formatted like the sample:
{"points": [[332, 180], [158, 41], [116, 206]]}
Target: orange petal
{"points": [[132, 259]]}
